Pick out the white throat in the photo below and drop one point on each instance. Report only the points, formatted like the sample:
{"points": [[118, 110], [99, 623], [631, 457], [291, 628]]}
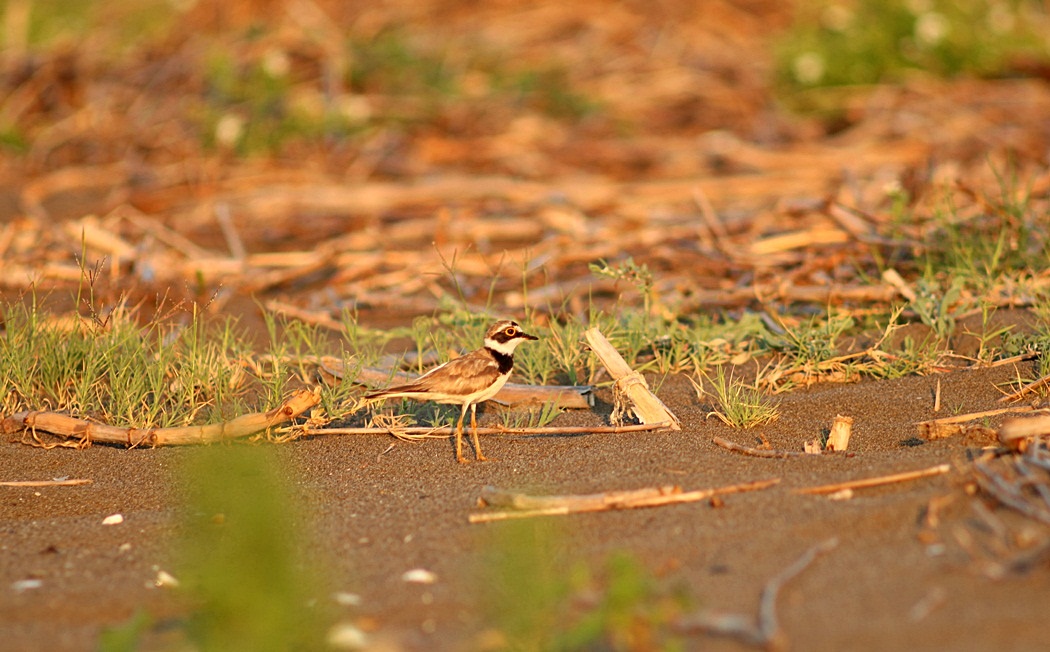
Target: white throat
{"points": [[506, 348]]}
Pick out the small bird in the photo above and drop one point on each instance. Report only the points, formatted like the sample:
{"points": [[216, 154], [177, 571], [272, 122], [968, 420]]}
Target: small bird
{"points": [[468, 380]]}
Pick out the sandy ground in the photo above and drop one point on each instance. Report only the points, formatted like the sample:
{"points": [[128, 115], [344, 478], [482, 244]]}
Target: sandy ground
{"points": [[893, 582], [688, 118]]}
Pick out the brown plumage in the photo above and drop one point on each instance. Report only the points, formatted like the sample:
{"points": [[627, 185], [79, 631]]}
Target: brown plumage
{"points": [[468, 380]]}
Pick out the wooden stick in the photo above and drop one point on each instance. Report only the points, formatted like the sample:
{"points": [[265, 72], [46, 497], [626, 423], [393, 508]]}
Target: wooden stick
{"points": [[876, 481], [572, 504], [768, 624], [755, 452], [764, 629], [630, 385], [87, 431], [46, 483], [426, 430]]}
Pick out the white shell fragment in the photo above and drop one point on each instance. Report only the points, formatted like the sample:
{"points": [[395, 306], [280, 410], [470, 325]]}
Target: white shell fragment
{"points": [[164, 578], [346, 636], [419, 576], [113, 519], [346, 599]]}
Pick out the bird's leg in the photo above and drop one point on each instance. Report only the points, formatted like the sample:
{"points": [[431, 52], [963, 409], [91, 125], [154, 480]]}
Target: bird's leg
{"points": [[474, 432], [459, 437]]}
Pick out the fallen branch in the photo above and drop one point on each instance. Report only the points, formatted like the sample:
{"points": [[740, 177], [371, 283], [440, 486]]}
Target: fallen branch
{"points": [[876, 481], [631, 391], [46, 483], [440, 431], [764, 630], [526, 506], [88, 432], [755, 452]]}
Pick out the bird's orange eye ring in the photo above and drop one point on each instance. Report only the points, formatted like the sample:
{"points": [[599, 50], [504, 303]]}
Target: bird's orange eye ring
{"points": [[511, 332]]}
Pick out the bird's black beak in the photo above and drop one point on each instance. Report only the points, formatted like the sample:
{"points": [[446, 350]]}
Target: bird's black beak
{"points": [[528, 337]]}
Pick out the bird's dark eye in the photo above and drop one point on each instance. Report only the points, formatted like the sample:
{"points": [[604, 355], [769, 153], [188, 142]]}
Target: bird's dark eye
{"points": [[511, 332]]}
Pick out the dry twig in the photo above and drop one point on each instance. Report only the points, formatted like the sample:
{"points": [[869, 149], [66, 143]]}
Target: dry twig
{"points": [[878, 481], [528, 506], [754, 452], [1027, 389], [764, 630]]}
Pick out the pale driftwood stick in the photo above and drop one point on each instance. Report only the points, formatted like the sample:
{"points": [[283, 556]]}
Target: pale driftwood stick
{"points": [[46, 483], [629, 383], [572, 504], [564, 396], [876, 481], [1027, 389], [425, 430], [764, 629], [755, 452], [66, 426]]}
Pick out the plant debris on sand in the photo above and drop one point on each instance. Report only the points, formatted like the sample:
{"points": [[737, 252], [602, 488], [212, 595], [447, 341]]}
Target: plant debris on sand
{"points": [[785, 219]]}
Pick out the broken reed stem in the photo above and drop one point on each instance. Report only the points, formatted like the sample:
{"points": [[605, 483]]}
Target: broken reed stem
{"points": [[630, 386], [88, 432], [529, 506], [838, 438], [876, 481]]}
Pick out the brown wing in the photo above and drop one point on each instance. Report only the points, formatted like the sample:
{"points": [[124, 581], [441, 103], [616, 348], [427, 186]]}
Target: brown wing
{"points": [[459, 377]]}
